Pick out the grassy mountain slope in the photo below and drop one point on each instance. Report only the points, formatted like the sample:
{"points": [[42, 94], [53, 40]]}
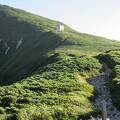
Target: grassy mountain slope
{"points": [[36, 42], [39, 38], [53, 68], [57, 91]]}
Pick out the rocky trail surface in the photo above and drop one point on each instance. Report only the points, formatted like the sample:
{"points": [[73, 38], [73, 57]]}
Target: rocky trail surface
{"points": [[100, 83]]}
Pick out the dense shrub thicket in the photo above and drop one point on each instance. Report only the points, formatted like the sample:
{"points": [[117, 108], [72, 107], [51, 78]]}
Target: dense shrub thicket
{"points": [[57, 91], [112, 58]]}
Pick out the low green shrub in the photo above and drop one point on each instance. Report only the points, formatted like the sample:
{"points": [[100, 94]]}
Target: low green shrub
{"points": [[8, 100], [2, 110], [57, 91], [23, 101]]}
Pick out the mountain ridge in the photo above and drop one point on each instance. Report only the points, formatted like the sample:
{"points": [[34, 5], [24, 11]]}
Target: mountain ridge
{"points": [[28, 12]]}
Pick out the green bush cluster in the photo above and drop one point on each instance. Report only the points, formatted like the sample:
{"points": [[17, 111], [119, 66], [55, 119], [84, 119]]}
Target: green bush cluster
{"points": [[57, 91]]}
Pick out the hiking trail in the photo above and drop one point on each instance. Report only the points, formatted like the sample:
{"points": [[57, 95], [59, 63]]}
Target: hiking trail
{"points": [[100, 83]]}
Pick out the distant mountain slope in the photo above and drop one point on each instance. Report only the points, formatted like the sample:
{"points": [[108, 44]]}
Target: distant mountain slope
{"points": [[28, 40]]}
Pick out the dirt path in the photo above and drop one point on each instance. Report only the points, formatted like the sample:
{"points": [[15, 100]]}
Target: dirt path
{"points": [[100, 82]]}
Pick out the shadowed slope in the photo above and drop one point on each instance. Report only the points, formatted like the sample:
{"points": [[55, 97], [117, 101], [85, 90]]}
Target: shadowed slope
{"points": [[27, 39]]}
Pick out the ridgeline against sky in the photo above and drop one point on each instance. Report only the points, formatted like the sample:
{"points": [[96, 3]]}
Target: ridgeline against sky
{"points": [[93, 17]]}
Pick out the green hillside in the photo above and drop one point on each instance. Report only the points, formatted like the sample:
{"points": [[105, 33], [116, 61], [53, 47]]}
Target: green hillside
{"points": [[57, 91], [39, 39], [44, 73]]}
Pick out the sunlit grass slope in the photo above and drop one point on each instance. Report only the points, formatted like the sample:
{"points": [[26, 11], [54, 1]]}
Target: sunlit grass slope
{"points": [[39, 38], [57, 91], [43, 73]]}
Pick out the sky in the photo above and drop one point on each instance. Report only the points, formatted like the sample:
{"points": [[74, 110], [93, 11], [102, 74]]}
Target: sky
{"points": [[97, 17]]}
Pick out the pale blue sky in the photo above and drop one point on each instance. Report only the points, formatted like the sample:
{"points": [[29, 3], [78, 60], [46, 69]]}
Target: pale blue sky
{"points": [[98, 17]]}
